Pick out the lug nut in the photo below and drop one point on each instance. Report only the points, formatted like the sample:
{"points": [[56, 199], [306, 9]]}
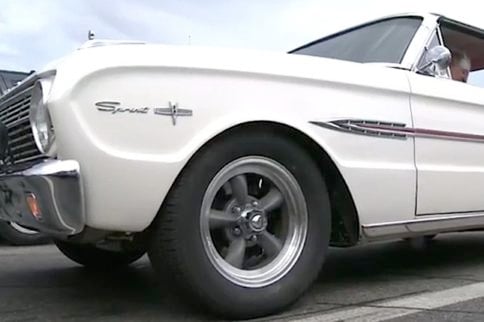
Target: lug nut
{"points": [[255, 203], [236, 231], [253, 238], [236, 210]]}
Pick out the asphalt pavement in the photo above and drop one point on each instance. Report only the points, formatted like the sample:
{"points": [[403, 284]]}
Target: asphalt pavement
{"points": [[390, 281]]}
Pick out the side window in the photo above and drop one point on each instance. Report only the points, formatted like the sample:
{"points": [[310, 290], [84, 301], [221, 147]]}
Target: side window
{"points": [[434, 41]]}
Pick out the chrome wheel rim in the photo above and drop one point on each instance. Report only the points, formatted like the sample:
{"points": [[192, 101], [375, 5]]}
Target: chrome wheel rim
{"points": [[253, 221]]}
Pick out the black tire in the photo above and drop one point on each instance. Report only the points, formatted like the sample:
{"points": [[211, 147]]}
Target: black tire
{"points": [[421, 242], [95, 258], [19, 237], [425, 238], [429, 238], [176, 248]]}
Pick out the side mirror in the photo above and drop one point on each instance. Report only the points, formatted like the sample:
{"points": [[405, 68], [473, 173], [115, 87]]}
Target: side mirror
{"points": [[436, 61]]}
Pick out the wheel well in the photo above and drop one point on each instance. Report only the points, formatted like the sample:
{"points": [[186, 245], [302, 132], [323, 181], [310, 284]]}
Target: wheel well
{"points": [[345, 228]]}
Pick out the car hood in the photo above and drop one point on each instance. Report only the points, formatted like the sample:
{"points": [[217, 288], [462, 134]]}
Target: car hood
{"points": [[104, 55]]}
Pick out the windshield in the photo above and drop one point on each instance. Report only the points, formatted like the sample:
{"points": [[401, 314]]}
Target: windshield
{"points": [[385, 41]]}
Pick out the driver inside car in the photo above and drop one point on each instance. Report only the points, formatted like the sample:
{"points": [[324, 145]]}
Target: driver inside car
{"points": [[460, 66]]}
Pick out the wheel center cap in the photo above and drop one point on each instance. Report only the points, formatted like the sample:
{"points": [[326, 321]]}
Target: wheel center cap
{"points": [[257, 221]]}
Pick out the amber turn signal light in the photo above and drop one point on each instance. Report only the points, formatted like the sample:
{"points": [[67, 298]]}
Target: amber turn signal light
{"points": [[34, 206]]}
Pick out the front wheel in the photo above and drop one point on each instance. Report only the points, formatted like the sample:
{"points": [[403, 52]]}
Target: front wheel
{"points": [[246, 227]]}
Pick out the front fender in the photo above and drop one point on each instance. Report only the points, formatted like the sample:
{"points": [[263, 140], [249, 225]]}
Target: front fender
{"points": [[130, 159]]}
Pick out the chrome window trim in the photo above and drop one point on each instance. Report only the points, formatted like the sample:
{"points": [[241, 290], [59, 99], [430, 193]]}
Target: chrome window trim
{"points": [[421, 39], [441, 39], [426, 47], [432, 26]]}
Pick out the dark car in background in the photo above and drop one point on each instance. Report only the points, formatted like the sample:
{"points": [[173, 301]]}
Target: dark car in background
{"points": [[9, 79], [9, 231]]}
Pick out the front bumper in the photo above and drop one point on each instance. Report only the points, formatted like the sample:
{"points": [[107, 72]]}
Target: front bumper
{"points": [[47, 197]]}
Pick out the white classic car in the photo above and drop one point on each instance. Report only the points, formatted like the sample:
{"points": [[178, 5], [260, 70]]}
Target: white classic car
{"points": [[235, 171]]}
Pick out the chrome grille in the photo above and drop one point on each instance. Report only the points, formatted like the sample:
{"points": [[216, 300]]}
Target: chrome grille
{"points": [[15, 113]]}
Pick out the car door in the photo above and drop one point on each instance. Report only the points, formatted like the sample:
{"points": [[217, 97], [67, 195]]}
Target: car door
{"points": [[448, 129]]}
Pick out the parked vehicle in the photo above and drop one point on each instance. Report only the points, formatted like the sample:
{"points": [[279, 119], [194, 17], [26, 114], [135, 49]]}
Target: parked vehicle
{"points": [[235, 170]]}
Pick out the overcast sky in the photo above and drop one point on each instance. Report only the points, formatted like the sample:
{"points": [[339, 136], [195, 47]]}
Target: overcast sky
{"points": [[34, 32]]}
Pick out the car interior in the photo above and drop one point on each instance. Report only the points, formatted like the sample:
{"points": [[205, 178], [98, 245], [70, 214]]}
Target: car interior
{"points": [[467, 39]]}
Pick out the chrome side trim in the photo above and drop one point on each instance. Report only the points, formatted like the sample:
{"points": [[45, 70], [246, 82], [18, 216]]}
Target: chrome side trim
{"points": [[423, 226], [57, 188], [366, 127], [395, 130]]}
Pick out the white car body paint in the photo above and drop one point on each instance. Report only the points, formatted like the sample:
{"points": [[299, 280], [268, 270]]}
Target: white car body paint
{"points": [[129, 161]]}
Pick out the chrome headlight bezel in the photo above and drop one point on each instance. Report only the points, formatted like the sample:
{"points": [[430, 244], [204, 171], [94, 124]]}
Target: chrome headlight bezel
{"points": [[40, 119]]}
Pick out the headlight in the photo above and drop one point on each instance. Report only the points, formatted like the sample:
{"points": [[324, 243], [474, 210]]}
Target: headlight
{"points": [[40, 118]]}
